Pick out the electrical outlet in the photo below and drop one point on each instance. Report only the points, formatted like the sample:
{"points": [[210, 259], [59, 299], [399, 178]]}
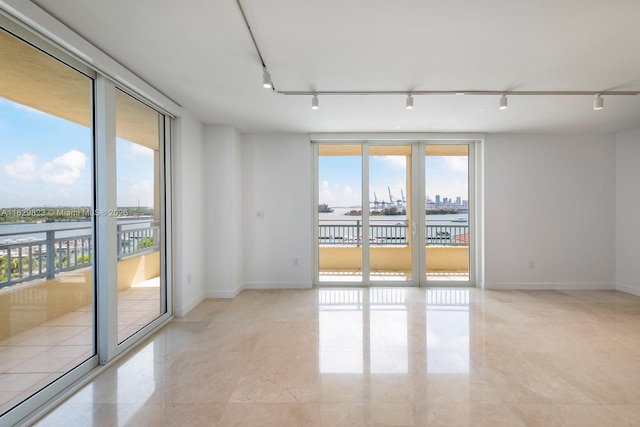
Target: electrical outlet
{"points": [[532, 264], [296, 261]]}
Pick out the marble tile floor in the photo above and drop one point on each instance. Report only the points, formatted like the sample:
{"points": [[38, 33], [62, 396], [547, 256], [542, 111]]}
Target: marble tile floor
{"points": [[379, 357], [31, 359]]}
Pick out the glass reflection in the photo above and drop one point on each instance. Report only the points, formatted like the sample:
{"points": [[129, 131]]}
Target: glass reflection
{"points": [[136, 379], [388, 333], [374, 331], [363, 331], [448, 331], [340, 330]]}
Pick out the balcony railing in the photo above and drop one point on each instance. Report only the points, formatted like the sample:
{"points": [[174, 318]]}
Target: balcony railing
{"points": [[349, 233], [30, 255]]}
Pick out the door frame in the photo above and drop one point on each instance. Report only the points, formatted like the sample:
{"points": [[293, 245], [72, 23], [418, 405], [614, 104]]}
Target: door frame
{"points": [[472, 197], [418, 141]]}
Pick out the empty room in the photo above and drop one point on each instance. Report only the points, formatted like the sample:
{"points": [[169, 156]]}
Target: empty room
{"points": [[319, 213]]}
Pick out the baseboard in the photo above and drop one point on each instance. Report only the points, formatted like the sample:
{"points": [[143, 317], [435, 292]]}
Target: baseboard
{"points": [[628, 289], [230, 294], [549, 286], [278, 285], [182, 311]]}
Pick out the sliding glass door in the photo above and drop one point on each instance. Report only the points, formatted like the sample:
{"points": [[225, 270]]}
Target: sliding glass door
{"points": [[413, 224], [340, 212], [47, 239], [390, 238], [139, 131], [83, 221], [446, 213]]}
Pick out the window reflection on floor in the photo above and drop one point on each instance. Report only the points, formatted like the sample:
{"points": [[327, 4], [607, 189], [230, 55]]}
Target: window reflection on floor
{"points": [[368, 330], [340, 330], [447, 331], [388, 330]]}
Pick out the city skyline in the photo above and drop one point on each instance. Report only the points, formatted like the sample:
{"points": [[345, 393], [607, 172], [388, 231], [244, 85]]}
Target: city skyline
{"points": [[340, 182]]}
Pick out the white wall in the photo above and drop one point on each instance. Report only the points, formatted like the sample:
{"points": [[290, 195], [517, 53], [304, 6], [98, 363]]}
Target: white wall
{"points": [[627, 210], [188, 180], [277, 182], [223, 211], [549, 199]]}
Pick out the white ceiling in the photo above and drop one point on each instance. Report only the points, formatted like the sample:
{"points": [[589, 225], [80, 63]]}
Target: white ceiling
{"points": [[200, 54]]}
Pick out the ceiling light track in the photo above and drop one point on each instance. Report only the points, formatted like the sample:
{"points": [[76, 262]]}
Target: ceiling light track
{"points": [[255, 44], [267, 83], [456, 92]]}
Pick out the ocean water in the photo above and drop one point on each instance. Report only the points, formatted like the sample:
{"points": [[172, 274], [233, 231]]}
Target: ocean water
{"points": [[338, 215], [37, 231]]}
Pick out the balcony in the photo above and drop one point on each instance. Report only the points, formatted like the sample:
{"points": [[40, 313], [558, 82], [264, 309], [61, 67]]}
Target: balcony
{"points": [[47, 293], [340, 253]]}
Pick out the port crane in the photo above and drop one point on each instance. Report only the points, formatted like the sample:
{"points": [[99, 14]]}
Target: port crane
{"points": [[375, 200]]}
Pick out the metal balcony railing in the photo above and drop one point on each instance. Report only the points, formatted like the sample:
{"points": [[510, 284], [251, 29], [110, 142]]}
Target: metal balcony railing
{"points": [[30, 255], [349, 233]]}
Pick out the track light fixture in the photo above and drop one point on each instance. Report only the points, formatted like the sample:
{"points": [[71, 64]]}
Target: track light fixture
{"points": [[409, 103], [266, 79], [598, 102], [504, 102]]}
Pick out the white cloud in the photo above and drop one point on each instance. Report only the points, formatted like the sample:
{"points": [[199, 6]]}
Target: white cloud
{"points": [[456, 163], [23, 107], [64, 170], [23, 167], [137, 150], [136, 193], [394, 162]]}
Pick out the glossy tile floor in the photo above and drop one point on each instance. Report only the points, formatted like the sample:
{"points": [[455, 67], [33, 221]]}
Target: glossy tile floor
{"points": [[399, 356], [32, 359]]}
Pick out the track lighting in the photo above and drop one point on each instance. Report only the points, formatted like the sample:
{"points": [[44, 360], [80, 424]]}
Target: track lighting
{"points": [[504, 102], [266, 79], [314, 102], [409, 103], [598, 102]]}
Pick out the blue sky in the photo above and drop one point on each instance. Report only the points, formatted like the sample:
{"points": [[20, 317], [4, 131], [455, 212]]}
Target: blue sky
{"points": [[341, 183], [47, 161]]}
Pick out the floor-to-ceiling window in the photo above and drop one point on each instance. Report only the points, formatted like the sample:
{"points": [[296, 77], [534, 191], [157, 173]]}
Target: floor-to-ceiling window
{"points": [[46, 224], [447, 209], [340, 212], [78, 157], [139, 209], [413, 223], [390, 231]]}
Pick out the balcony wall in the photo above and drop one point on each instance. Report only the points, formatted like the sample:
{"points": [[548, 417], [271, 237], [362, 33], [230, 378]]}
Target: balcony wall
{"points": [[30, 304], [438, 258]]}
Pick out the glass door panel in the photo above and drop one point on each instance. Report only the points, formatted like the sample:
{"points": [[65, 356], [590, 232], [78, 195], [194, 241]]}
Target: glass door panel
{"points": [[390, 238], [447, 212], [46, 229], [139, 212], [339, 213]]}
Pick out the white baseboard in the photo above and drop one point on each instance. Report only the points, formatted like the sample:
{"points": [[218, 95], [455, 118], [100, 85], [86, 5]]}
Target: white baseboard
{"points": [[550, 286], [633, 290], [278, 285], [182, 311], [230, 294]]}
